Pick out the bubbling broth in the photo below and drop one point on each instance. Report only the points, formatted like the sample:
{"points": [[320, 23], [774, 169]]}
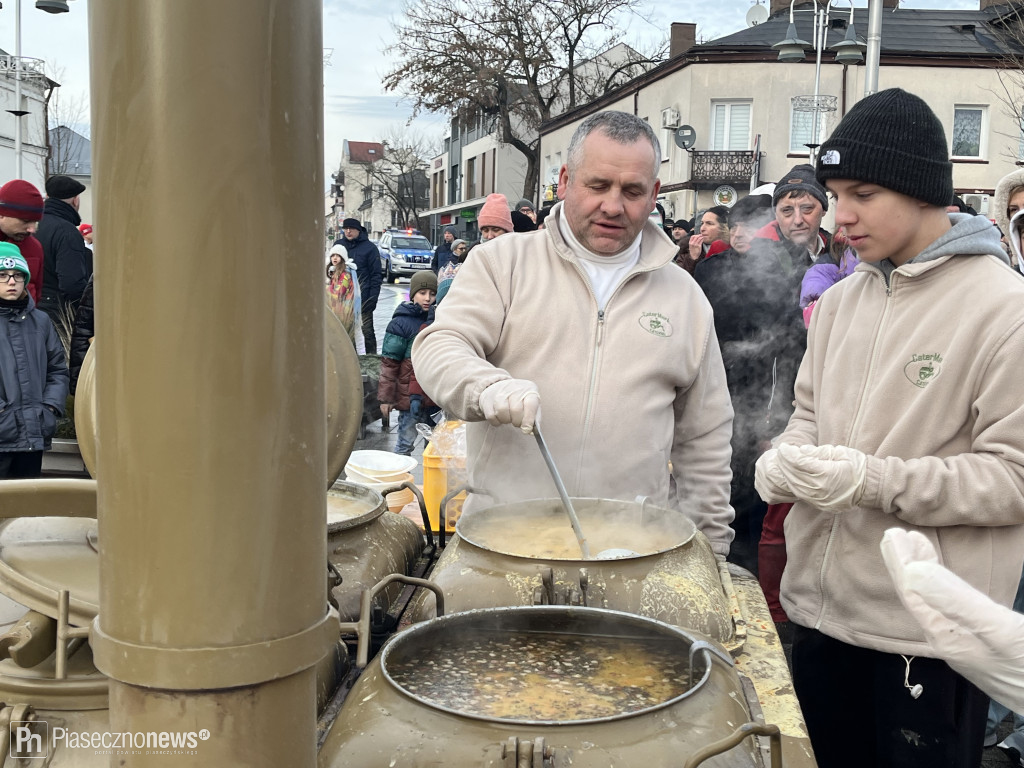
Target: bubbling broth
{"points": [[551, 536], [546, 676]]}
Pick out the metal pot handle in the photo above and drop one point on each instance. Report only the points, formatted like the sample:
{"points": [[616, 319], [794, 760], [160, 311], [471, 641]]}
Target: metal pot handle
{"points": [[361, 628], [712, 653], [747, 729]]}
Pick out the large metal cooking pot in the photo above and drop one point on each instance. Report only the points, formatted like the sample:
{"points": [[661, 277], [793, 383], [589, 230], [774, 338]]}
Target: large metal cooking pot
{"points": [[440, 693], [526, 554], [60, 697], [365, 543]]}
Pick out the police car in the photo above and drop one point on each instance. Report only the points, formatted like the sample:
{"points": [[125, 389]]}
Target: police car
{"points": [[404, 252]]}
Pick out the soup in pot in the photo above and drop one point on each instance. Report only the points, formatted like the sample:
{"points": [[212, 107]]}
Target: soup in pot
{"points": [[546, 676]]}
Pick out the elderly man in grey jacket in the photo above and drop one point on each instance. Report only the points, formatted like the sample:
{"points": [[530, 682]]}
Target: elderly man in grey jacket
{"points": [[591, 317]]}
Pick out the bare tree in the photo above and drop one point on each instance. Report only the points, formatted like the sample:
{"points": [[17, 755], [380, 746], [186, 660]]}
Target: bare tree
{"points": [[1007, 38], [400, 176], [69, 112], [519, 62]]}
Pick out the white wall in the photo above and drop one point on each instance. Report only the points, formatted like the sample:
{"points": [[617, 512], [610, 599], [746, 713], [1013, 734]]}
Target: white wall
{"points": [[33, 132]]}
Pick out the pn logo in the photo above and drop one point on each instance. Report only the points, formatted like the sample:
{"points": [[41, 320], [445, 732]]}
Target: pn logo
{"points": [[30, 739], [655, 323], [922, 370]]}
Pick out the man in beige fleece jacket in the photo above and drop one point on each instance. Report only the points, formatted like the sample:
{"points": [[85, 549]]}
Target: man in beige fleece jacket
{"points": [[590, 316], [909, 412]]}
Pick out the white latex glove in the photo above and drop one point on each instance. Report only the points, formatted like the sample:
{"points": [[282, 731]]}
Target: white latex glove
{"points": [[511, 401], [976, 636], [830, 477], [769, 481]]}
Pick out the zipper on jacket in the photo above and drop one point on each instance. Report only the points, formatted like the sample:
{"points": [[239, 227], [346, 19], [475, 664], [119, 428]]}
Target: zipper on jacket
{"points": [[872, 365], [594, 367]]}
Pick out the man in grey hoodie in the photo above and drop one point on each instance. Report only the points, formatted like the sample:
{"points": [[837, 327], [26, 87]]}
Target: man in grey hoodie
{"points": [[908, 412]]}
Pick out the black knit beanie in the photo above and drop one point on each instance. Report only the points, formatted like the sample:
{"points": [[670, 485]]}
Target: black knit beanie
{"points": [[892, 139], [801, 179]]}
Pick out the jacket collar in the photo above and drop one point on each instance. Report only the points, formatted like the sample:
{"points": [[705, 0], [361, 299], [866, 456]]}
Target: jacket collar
{"points": [[656, 249], [62, 210]]}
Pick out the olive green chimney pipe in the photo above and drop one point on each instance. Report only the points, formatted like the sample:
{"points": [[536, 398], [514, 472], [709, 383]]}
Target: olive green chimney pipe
{"points": [[208, 170]]}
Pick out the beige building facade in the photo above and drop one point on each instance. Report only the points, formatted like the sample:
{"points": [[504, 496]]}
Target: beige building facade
{"points": [[747, 110]]}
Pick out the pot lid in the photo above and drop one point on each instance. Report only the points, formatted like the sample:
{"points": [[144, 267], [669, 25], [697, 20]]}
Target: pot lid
{"points": [[39, 556]]}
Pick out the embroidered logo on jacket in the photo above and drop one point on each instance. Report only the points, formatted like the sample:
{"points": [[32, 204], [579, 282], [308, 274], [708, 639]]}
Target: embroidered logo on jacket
{"points": [[923, 369], [656, 323]]}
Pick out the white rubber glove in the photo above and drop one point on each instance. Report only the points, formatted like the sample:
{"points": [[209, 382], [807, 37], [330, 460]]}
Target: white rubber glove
{"points": [[769, 481], [976, 636], [830, 477], [511, 401]]}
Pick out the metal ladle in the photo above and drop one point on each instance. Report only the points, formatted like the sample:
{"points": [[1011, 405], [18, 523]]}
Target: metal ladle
{"points": [[605, 554], [566, 501]]}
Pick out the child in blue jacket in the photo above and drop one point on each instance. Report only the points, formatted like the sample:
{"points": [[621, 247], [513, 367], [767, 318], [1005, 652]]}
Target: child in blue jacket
{"points": [[398, 387]]}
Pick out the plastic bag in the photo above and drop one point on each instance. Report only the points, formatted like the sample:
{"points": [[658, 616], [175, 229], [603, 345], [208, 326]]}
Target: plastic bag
{"points": [[448, 438]]}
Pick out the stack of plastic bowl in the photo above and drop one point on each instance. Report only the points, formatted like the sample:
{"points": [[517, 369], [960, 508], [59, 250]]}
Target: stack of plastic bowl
{"points": [[381, 470]]}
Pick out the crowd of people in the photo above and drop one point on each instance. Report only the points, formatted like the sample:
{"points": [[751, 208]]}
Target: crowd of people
{"points": [[46, 263], [835, 411], [838, 413]]}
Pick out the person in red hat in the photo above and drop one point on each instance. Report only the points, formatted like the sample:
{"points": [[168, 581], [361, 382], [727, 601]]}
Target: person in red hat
{"points": [[21, 208]]}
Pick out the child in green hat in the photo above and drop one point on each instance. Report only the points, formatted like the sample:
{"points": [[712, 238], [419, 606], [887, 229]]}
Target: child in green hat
{"points": [[33, 372]]}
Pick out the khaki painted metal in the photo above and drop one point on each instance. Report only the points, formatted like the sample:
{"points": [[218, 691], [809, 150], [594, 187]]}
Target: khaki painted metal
{"points": [[383, 724], [681, 584], [762, 661], [365, 543], [209, 366], [343, 389], [489, 564]]}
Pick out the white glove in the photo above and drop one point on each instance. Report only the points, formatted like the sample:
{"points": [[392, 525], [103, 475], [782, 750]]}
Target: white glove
{"points": [[511, 401], [976, 636], [769, 481], [830, 477]]}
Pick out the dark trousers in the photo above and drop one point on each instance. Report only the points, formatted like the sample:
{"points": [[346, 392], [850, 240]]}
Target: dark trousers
{"points": [[369, 336], [16, 466], [859, 713]]}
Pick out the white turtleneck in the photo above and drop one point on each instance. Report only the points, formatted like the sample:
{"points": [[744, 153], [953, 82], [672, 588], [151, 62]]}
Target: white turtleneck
{"points": [[604, 272]]}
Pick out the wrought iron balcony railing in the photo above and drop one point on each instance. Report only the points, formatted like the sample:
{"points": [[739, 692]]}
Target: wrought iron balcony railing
{"points": [[31, 69], [710, 168]]}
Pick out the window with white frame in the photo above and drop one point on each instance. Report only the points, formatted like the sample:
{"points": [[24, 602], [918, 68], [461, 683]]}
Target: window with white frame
{"points": [[801, 126], [730, 125], [968, 131]]}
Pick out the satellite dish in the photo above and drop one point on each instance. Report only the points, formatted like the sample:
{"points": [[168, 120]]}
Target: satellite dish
{"points": [[756, 15]]}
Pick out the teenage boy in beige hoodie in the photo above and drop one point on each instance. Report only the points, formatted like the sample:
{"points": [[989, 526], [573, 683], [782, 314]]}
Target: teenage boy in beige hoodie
{"points": [[908, 413]]}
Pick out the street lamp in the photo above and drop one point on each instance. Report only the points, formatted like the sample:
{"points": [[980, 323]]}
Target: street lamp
{"points": [[50, 6], [793, 49]]}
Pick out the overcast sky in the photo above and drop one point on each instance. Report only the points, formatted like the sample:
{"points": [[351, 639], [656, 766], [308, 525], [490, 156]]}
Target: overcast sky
{"points": [[355, 105]]}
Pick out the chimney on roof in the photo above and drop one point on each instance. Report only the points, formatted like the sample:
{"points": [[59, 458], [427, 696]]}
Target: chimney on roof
{"points": [[783, 5], [683, 38]]}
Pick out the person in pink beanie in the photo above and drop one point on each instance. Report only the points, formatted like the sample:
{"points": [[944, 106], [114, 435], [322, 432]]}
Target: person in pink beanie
{"points": [[495, 217]]}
